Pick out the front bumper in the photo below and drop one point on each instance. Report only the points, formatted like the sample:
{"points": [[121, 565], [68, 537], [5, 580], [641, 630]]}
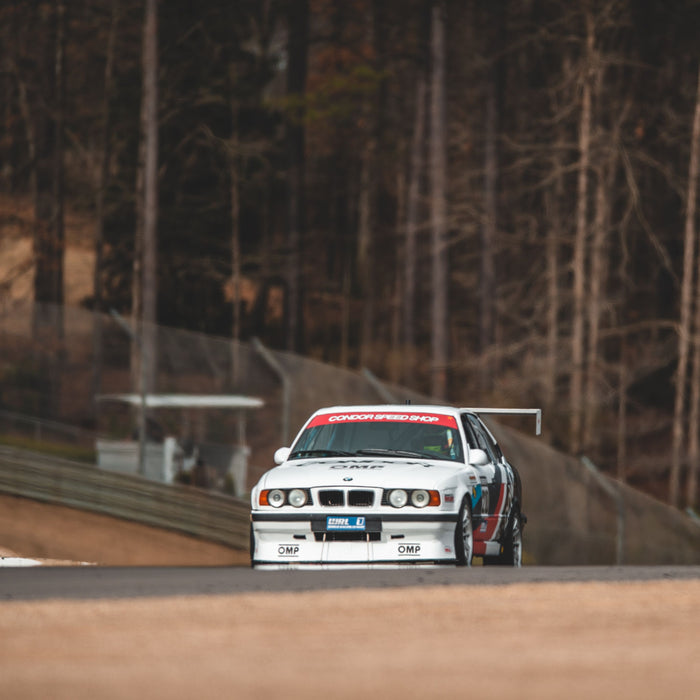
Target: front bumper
{"points": [[296, 539]]}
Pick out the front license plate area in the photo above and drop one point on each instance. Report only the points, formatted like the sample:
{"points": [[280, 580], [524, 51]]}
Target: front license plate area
{"points": [[346, 523]]}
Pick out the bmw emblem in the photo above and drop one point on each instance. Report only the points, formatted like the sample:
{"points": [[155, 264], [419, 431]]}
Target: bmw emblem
{"points": [[347, 478]]}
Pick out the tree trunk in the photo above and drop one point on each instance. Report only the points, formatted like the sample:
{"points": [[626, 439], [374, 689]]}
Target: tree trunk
{"points": [[235, 250], [412, 218], [46, 135], [101, 188], [690, 237], [396, 363], [580, 243], [150, 216], [594, 309], [48, 119], [144, 283], [438, 205], [487, 286], [623, 382], [298, 21], [365, 269], [556, 232], [554, 235]]}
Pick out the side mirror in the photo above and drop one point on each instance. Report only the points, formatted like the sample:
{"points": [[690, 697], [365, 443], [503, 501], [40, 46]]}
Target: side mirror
{"points": [[478, 458], [281, 455]]}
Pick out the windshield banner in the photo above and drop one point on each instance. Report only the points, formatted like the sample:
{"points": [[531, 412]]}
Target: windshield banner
{"points": [[422, 418]]}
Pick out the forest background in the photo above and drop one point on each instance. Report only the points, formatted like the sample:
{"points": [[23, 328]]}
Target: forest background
{"points": [[492, 202]]}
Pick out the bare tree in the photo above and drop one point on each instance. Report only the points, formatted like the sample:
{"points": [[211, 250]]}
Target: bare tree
{"points": [[100, 190], [489, 227], [553, 201], [438, 204], [144, 284], [45, 117], [298, 29], [365, 245], [412, 223], [234, 173], [684, 339], [580, 241]]}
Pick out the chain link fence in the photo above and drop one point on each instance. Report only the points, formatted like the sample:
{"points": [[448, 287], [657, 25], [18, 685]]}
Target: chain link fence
{"points": [[50, 381]]}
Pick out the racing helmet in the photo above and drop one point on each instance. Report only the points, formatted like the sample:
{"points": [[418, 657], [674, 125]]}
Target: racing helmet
{"points": [[437, 439]]}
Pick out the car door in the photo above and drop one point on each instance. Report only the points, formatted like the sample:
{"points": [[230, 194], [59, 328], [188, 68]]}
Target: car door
{"points": [[480, 492], [496, 482]]}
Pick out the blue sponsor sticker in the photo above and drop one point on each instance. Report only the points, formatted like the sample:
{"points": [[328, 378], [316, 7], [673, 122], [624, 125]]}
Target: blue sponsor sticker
{"points": [[345, 522]]}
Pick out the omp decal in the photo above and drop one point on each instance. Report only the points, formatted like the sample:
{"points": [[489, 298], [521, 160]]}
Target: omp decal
{"points": [[356, 466], [429, 418], [288, 550], [406, 549]]}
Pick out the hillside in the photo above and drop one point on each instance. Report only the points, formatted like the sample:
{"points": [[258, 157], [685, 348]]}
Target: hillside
{"points": [[573, 517]]}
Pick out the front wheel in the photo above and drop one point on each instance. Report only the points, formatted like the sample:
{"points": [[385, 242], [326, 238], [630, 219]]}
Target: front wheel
{"points": [[464, 534], [512, 547]]}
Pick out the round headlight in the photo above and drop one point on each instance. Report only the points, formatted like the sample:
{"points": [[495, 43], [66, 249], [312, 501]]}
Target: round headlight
{"points": [[420, 498], [297, 498], [276, 498], [398, 498]]}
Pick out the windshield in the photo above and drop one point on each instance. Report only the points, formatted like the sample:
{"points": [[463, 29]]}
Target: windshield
{"points": [[424, 435]]}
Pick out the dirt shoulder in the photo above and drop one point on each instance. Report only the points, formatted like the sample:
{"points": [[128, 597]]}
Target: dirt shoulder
{"points": [[544, 641], [50, 532]]}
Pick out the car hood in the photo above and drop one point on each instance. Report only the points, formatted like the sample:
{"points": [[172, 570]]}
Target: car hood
{"points": [[370, 471]]}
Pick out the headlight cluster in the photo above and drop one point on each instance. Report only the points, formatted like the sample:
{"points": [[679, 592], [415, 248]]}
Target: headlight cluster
{"points": [[419, 498], [279, 497]]}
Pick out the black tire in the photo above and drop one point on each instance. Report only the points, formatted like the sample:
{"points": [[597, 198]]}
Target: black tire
{"points": [[512, 546], [464, 534]]}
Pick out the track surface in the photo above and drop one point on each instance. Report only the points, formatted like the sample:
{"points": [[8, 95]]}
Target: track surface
{"points": [[90, 582]]}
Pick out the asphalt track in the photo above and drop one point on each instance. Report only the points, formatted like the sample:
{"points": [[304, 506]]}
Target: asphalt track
{"points": [[94, 582]]}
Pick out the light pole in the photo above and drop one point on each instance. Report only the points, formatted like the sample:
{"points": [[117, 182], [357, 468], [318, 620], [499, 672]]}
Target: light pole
{"points": [[136, 338]]}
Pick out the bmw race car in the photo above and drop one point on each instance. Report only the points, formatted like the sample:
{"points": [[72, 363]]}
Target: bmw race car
{"points": [[386, 486]]}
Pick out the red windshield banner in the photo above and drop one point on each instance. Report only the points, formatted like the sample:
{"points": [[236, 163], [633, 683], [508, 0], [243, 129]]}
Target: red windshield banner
{"points": [[361, 417]]}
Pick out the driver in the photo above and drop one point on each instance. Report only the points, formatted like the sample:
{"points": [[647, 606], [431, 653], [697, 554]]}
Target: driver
{"points": [[439, 440]]}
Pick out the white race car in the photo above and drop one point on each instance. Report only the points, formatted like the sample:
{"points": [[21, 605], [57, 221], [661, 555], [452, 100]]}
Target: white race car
{"points": [[386, 486]]}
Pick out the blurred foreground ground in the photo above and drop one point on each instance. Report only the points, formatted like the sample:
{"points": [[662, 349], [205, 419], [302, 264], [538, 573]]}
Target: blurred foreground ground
{"points": [[545, 641]]}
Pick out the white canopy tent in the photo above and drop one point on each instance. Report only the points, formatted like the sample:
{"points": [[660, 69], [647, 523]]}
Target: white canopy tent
{"points": [[187, 400], [117, 455]]}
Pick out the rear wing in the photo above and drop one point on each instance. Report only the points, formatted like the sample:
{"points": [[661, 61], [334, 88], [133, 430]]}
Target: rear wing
{"points": [[537, 412]]}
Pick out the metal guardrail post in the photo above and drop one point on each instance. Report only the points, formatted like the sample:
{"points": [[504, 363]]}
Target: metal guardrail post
{"points": [[275, 366], [615, 494]]}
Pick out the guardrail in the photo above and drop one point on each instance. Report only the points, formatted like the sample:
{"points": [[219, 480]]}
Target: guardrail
{"points": [[40, 428], [210, 516]]}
